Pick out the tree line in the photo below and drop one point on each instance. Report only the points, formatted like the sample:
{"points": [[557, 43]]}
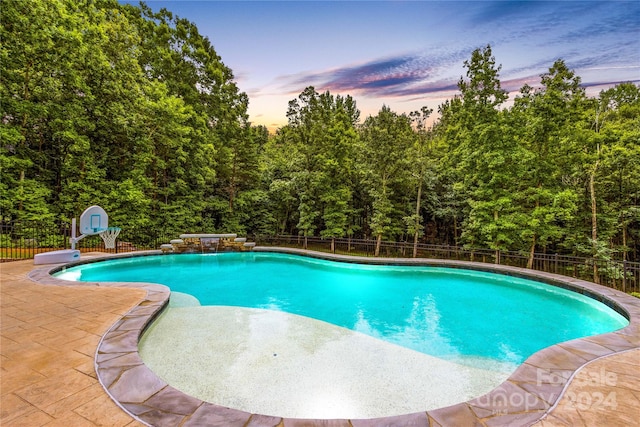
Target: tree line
{"points": [[116, 105]]}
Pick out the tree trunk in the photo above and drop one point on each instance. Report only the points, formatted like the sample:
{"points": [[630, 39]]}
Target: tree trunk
{"points": [[532, 252], [497, 253], [624, 241], [416, 233], [594, 220], [378, 243], [20, 206], [455, 231], [232, 182]]}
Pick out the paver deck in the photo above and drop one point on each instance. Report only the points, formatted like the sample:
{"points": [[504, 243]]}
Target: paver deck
{"points": [[50, 336]]}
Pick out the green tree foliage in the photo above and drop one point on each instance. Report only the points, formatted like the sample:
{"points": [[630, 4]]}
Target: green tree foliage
{"points": [[386, 141], [219, 151], [111, 104], [485, 161], [321, 135], [423, 173], [543, 123], [615, 148], [530, 177]]}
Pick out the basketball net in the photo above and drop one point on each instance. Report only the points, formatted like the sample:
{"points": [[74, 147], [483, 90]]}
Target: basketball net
{"points": [[109, 236]]}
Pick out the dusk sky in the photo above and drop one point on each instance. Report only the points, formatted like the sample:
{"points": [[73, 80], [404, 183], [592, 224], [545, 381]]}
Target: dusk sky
{"points": [[408, 54]]}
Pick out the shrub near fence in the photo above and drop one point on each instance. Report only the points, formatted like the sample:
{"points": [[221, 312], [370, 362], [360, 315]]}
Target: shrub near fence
{"points": [[622, 275]]}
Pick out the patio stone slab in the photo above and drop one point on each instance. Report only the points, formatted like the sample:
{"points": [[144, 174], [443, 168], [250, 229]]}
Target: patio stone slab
{"points": [[174, 401], [217, 416], [410, 420], [135, 385], [460, 414], [264, 421]]}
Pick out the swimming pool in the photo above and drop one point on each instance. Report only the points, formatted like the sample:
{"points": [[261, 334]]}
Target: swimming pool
{"points": [[443, 312], [554, 357]]}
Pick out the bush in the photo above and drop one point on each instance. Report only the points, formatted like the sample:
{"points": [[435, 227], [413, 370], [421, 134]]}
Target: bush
{"points": [[5, 241]]}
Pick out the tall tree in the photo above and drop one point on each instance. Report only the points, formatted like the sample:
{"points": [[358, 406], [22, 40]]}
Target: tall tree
{"points": [[421, 162], [322, 129], [484, 159], [174, 52], [386, 139], [70, 79], [541, 122], [613, 174]]}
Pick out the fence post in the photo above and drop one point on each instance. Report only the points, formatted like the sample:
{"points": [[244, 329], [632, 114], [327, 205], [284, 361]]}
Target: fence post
{"points": [[624, 275], [555, 268]]}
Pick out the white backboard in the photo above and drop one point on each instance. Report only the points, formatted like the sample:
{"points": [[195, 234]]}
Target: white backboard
{"points": [[93, 220]]}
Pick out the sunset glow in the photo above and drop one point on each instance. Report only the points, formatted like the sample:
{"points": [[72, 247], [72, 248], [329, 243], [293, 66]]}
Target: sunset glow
{"points": [[408, 54]]}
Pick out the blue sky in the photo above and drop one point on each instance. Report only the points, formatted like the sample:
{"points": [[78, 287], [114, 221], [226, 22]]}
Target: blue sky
{"points": [[408, 54]]}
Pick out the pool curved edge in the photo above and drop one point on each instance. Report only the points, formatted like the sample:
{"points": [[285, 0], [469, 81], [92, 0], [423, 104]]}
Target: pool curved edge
{"points": [[523, 399]]}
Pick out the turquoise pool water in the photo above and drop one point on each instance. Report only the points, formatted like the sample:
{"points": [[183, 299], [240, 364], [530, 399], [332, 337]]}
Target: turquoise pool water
{"points": [[448, 313]]}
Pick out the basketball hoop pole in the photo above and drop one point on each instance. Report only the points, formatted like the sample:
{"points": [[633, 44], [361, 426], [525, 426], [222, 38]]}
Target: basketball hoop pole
{"points": [[73, 239]]}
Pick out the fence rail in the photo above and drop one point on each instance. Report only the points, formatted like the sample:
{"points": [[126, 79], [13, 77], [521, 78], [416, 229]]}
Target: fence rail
{"points": [[23, 240], [617, 274]]}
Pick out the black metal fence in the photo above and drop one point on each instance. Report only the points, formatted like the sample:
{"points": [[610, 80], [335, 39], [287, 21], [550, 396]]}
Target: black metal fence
{"points": [[23, 240], [617, 274]]}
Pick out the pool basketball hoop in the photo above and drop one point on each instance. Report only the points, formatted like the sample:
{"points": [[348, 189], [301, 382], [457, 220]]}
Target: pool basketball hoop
{"points": [[94, 220], [109, 236]]}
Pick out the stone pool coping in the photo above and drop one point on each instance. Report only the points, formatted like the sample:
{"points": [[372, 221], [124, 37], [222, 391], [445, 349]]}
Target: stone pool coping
{"points": [[524, 398]]}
